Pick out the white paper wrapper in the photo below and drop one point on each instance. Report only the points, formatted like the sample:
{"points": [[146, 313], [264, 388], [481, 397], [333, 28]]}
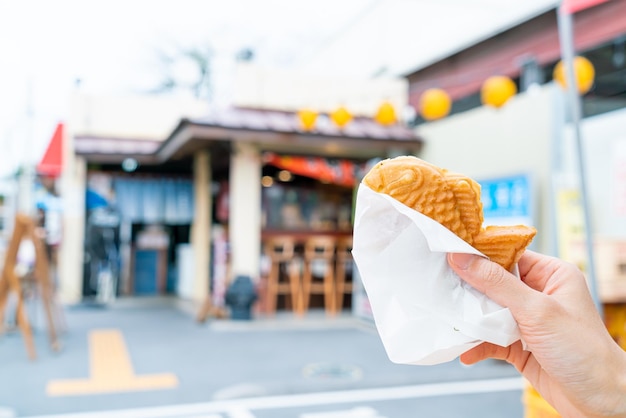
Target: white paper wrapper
{"points": [[424, 313]]}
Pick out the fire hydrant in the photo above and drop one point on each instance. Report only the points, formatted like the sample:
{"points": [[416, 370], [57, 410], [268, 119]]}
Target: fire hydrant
{"points": [[240, 296]]}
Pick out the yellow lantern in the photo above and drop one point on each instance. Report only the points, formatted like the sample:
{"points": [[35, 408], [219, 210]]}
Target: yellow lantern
{"points": [[341, 117], [386, 114], [497, 90], [434, 104], [583, 72], [307, 119]]}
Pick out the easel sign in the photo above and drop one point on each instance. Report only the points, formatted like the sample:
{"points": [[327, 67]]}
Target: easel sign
{"points": [[24, 228]]}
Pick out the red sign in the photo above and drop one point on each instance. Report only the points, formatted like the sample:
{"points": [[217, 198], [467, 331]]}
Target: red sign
{"points": [[339, 172]]}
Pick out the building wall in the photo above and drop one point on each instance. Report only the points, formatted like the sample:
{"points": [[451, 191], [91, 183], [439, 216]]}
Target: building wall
{"points": [[132, 116], [72, 191], [257, 87], [604, 145]]}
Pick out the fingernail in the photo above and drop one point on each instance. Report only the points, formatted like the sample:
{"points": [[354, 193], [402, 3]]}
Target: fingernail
{"points": [[461, 260]]}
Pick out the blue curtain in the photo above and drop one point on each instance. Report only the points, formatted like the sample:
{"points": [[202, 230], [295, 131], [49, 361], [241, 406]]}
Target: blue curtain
{"points": [[162, 200]]}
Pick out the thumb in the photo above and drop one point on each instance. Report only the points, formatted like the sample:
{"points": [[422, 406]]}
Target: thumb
{"points": [[491, 279]]}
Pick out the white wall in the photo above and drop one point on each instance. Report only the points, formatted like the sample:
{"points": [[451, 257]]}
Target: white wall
{"points": [[136, 117], [486, 142], [258, 87], [604, 145]]}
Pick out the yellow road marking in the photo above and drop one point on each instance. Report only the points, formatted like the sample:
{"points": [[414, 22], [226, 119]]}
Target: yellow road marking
{"points": [[110, 370]]}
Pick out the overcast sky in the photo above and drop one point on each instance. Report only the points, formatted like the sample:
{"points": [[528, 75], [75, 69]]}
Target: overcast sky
{"points": [[113, 46]]}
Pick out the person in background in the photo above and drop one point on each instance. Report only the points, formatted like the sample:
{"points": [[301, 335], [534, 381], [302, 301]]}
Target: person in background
{"points": [[50, 220], [567, 354]]}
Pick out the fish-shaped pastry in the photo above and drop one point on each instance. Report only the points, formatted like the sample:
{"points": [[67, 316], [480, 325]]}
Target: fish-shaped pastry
{"points": [[451, 199]]}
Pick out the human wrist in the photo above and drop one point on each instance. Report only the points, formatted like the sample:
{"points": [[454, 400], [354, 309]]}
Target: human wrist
{"points": [[621, 385], [615, 401]]}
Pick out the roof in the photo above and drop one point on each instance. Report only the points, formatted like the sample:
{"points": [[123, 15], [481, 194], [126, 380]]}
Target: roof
{"points": [[271, 130], [280, 131], [107, 149], [534, 40], [288, 122]]}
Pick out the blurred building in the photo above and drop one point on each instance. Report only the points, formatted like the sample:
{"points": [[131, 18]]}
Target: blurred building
{"points": [[173, 196], [197, 189], [532, 134]]}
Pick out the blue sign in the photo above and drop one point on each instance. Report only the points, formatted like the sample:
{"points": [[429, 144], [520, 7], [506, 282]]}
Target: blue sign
{"points": [[506, 197]]}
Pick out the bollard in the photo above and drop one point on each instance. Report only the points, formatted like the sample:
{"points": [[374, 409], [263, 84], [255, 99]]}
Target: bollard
{"points": [[240, 296]]}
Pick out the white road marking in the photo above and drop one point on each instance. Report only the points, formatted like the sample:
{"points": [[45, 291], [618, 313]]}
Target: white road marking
{"points": [[308, 399], [359, 412], [206, 416], [239, 412]]}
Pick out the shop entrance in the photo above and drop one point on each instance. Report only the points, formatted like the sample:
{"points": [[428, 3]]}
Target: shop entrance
{"points": [[305, 199]]}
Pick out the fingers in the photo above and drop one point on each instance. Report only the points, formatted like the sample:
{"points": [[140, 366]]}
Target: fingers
{"points": [[482, 352], [537, 269], [491, 279], [514, 354]]}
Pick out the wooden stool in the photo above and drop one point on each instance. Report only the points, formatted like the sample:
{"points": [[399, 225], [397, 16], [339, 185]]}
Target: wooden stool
{"points": [[283, 277], [319, 250], [344, 257]]}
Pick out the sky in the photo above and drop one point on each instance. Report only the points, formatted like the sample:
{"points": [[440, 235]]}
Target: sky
{"points": [[114, 46]]}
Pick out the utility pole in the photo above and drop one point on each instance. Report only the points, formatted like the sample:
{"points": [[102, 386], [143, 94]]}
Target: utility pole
{"points": [[566, 36]]}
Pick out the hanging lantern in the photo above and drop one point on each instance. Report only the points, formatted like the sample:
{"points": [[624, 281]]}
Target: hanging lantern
{"points": [[497, 90], [386, 114], [434, 104], [307, 119], [583, 72], [341, 117]]}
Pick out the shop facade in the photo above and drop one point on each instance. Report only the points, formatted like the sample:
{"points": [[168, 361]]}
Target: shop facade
{"points": [[195, 209]]}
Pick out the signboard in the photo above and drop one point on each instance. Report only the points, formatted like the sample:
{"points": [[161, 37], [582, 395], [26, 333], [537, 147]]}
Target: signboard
{"points": [[570, 226], [507, 200], [336, 171]]}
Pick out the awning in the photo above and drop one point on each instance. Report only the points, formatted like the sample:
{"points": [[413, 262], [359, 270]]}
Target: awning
{"points": [[115, 150], [52, 162]]}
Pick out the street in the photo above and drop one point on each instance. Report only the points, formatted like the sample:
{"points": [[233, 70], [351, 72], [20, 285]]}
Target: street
{"points": [[434, 400], [151, 359]]}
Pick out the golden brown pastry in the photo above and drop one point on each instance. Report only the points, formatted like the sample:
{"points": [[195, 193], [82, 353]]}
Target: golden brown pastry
{"points": [[451, 199]]}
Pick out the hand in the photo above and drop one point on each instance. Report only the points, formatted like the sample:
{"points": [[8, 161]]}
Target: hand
{"points": [[570, 358]]}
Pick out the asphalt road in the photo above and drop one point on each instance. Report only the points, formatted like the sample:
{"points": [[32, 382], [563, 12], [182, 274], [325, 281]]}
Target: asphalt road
{"points": [[151, 359]]}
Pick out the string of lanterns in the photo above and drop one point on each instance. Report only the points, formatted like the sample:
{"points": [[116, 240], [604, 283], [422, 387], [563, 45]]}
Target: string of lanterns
{"points": [[385, 115], [436, 103], [497, 90]]}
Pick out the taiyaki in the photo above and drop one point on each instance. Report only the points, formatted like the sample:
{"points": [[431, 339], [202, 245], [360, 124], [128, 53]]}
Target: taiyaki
{"points": [[451, 199]]}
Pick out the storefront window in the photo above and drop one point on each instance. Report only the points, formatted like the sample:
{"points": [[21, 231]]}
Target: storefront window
{"points": [[318, 207]]}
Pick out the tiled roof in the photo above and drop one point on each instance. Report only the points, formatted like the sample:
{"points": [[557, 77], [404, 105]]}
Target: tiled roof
{"points": [[359, 137], [288, 122]]}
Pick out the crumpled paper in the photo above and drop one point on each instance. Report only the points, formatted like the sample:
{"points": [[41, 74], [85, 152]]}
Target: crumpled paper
{"points": [[424, 313]]}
